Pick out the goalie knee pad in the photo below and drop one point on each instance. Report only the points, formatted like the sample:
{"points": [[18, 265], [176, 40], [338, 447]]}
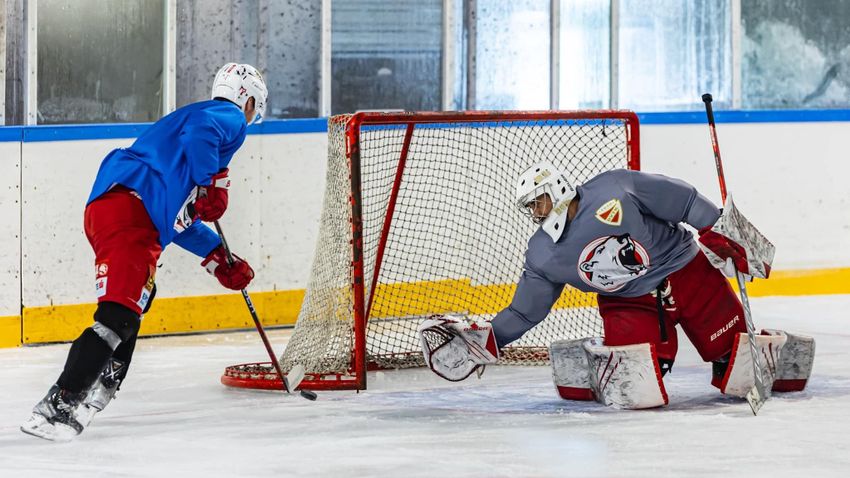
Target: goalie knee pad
{"points": [[739, 378], [795, 362], [626, 376], [570, 371]]}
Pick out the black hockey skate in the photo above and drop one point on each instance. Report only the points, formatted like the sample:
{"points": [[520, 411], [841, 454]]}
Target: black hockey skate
{"points": [[55, 416], [103, 390]]}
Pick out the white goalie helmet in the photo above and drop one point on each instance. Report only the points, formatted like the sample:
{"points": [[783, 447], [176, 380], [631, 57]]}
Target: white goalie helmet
{"points": [[239, 81], [544, 178]]}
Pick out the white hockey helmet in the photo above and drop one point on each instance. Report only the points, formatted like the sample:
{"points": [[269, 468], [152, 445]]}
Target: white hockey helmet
{"points": [[239, 81], [544, 178]]}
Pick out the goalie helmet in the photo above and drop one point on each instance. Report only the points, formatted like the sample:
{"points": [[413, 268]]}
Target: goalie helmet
{"points": [[238, 82], [544, 178]]}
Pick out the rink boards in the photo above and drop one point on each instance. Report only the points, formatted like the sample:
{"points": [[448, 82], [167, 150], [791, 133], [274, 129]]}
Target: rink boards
{"points": [[787, 177]]}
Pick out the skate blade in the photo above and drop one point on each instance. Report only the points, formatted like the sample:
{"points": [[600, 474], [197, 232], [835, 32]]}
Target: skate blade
{"points": [[38, 426]]}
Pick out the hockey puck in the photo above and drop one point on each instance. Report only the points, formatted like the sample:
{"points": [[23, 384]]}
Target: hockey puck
{"points": [[309, 395]]}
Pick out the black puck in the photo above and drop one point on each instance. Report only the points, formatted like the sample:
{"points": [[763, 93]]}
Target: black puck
{"points": [[309, 395]]}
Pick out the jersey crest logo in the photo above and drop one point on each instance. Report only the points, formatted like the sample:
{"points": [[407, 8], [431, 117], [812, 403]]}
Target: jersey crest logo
{"points": [[611, 213], [610, 262]]}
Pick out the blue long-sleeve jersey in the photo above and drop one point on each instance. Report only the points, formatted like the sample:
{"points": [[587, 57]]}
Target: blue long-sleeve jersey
{"points": [[177, 153]]}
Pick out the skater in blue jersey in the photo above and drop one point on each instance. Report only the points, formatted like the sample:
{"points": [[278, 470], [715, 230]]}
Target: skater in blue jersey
{"points": [[157, 191]]}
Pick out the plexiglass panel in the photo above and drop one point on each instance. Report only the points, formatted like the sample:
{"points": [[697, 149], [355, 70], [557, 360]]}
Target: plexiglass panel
{"points": [[585, 54], [386, 55], [99, 61], [796, 54], [281, 39], [673, 51], [512, 54]]}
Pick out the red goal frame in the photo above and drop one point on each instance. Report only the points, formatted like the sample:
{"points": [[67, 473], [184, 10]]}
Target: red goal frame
{"points": [[262, 376]]}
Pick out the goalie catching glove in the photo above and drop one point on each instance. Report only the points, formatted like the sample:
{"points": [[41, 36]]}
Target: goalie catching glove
{"points": [[454, 347], [734, 243]]}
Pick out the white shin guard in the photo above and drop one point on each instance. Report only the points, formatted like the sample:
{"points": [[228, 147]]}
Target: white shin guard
{"points": [[795, 363], [739, 377], [569, 369], [626, 377]]}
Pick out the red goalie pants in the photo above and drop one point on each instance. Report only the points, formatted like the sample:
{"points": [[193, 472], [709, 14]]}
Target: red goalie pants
{"points": [[126, 248], [700, 300]]}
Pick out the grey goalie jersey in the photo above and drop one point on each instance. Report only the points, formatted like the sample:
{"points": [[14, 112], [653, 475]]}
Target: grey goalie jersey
{"points": [[625, 238]]}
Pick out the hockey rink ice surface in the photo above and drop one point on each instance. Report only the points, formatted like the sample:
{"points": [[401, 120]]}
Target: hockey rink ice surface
{"points": [[174, 418]]}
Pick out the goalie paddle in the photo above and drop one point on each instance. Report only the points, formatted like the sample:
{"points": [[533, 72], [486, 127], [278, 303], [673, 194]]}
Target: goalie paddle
{"points": [[759, 393], [296, 374]]}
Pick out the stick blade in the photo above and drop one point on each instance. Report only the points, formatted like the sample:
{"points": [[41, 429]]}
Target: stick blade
{"points": [[295, 376], [756, 399]]}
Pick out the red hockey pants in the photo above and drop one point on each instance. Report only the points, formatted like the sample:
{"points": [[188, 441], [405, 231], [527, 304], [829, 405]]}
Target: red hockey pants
{"points": [[126, 248], [700, 300]]}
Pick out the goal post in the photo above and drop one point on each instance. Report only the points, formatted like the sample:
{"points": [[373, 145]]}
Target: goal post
{"points": [[419, 218]]}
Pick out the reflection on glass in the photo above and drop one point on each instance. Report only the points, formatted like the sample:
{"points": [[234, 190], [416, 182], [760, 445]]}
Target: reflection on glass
{"points": [[673, 51], [282, 39], [386, 55], [585, 58], [99, 61], [512, 54], [796, 54]]}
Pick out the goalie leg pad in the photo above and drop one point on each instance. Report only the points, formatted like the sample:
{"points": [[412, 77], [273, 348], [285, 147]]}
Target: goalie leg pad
{"points": [[626, 376], [570, 371], [795, 363], [454, 347], [739, 379]]}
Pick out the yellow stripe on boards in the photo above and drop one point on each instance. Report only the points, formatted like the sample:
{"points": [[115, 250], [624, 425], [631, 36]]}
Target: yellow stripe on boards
{"points": [[456, 296], [10, 331], [800, 282], [62, 323]]}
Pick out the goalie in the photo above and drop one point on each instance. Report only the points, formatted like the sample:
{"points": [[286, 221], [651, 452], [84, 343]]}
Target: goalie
{"points": [[620, 235]]}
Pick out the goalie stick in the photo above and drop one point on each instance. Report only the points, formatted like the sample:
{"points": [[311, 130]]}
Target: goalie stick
{"points": [[759, 393], [296, 374]]}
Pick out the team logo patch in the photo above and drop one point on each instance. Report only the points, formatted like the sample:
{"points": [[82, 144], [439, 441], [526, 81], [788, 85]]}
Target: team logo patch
{"points": [[609, 262], [101, 269], [100, 287], [147, 290], [611, 213]]}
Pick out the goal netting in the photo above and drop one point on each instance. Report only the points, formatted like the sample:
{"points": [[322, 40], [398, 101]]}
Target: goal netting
{"points": [[419, 218]]}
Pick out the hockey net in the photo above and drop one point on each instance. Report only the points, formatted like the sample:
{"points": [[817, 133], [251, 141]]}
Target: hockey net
{"points": [[419, 218]]}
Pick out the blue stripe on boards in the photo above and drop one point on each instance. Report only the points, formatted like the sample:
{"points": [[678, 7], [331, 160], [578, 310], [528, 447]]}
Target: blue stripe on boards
{"points": [[319, 125]]}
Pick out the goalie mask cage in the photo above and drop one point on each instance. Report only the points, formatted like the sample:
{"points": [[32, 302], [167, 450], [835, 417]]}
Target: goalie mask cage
{"points": [[419, 218]]}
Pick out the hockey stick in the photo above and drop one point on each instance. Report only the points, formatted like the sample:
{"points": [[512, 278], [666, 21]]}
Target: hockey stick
{"points": [[758, 394], [297, 372]]}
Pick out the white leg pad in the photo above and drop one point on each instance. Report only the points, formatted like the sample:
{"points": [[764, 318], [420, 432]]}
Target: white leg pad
{"points": [[738, 379], [627, 376], [570, 370], [795, 364]]}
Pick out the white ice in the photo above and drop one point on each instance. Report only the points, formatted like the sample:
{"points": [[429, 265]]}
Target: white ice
{"points": [[173, 418]]}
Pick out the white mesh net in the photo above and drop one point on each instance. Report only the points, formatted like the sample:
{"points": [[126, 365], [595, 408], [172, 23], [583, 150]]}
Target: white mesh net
{"points": [[456, 241]]}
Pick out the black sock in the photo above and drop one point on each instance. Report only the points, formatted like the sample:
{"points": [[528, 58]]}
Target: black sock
{"points": [[86, 359], [124, 352]]}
